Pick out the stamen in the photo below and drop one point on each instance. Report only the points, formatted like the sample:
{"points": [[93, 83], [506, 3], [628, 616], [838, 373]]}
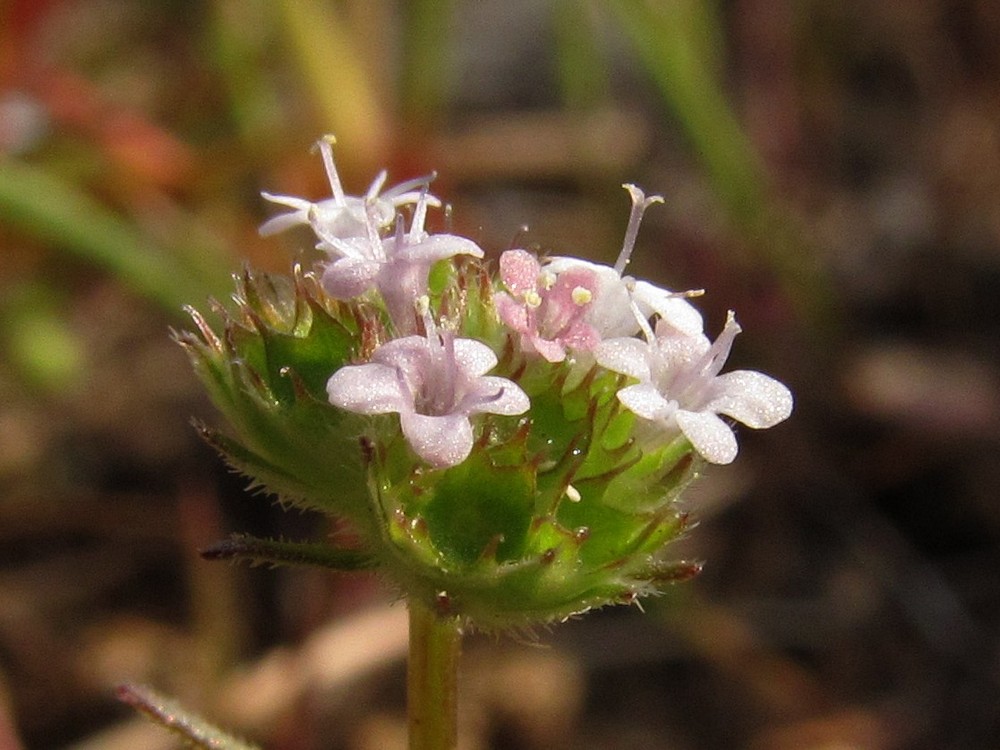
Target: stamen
{"points": [[371, 227], [644, 326], [515, 240], [639, 205], [718, 353], [376, 187], [581, 296], [325, 145], [419, 215], [689, 293], [422, 305]]}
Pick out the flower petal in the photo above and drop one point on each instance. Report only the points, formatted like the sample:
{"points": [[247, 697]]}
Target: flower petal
{"points": [[581, 336], [671, 307], [440, 441], [370, 388], [433, 248], [346, 278], [753, 398], [552, 351], [519, 271], [647, 402], [511, 313], [625, 355], [611, 311], [473, 357], [495, 395], [710, 436]]}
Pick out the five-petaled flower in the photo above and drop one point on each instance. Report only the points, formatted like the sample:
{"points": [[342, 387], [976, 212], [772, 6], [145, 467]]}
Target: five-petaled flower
{"points": [[346, 215], [680, 387], [547, 309], [435, 383], [398, 266]]}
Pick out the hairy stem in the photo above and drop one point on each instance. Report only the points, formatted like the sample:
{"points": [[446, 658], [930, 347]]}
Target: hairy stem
{"points": [[435, 644]]}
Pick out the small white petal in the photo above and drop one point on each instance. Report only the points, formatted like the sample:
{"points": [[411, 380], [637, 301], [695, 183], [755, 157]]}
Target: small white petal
{"points": [[709, 435], [435, 247], [299, 204], [367, 389], [753, 398], [625, 355], [440, 441], [647, 402], [671, 308]]}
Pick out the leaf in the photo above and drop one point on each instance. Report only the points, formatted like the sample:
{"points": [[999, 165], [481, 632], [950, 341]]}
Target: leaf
{"points": [[168, 713], [243, 547]]}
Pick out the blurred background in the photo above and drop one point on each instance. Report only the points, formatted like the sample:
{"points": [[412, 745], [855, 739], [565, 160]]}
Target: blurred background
{"points": [[831, 172]]}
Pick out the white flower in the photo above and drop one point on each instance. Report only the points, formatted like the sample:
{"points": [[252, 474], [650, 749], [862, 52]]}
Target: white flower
{"points": [[345, 215], [680, 387], [621, 302], [435, 383], [398, 266]]}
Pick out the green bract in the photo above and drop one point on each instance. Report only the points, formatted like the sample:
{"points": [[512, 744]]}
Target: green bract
{"points": [[554, 512]]}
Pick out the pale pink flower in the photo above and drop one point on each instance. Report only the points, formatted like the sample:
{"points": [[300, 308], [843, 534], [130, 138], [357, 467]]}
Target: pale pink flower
{"points": [[546, 309], [398, 266], [435, 383], [680, 389], [346, 215]]}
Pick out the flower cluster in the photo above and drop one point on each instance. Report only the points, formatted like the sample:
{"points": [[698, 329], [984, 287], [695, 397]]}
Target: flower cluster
{"points": [[564, 305], [510, 448]]}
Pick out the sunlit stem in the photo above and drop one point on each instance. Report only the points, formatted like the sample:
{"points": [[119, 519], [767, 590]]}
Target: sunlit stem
{"points": [[431, 680]]}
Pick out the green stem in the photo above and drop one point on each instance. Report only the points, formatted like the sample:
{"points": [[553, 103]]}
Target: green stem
{"points": [[431, 681]]}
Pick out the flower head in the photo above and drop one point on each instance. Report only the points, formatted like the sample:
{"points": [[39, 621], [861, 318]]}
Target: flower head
{"points": [[547, 309], [398, 266], [435, 383], [680, 388], [345, 215]]}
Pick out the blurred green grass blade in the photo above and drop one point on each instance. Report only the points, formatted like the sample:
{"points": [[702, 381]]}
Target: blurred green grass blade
{"points": [[680, 44], [425, 81], [581, 66], [675, 41], [236, 40], [49, 209], [340, 86]]}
